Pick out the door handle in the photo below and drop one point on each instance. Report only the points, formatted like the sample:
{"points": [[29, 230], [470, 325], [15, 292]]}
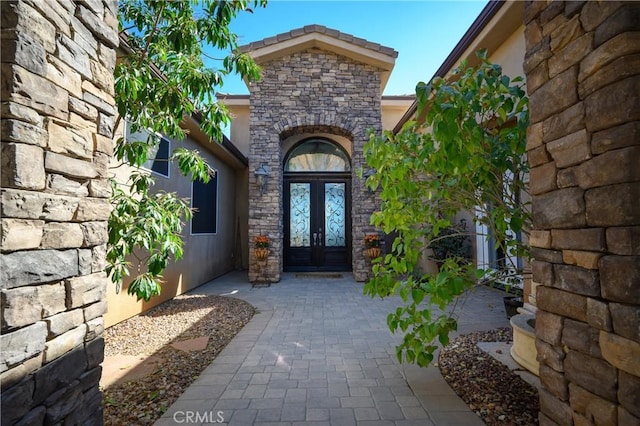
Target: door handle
{"points": [[315, 239], [319, 238]]}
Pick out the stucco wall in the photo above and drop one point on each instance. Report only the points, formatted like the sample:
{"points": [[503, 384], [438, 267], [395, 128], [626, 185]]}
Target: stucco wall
{"points": [[205, 256], [313, 91]]}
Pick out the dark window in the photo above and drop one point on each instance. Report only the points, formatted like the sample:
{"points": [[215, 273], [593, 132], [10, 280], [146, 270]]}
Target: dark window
{"points": [[158, 155], [204, 201]]}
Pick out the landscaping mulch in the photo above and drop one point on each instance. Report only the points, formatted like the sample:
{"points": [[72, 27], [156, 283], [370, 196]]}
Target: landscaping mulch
{"points": [[494, 392], [143, 400]]}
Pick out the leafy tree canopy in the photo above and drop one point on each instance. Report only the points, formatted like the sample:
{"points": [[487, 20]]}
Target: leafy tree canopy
{"points": [[160, 80], [464, 152]]}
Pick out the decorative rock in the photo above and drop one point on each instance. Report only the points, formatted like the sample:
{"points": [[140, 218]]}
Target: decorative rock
{"points": [[549, 327], [84, 261], [22, 344], [23, 132], [619, 277], [593, 13], [21, 113], [541, 239], [61, 185], [82, 108], [95, 233], [581, 337], [95, 352], [68, 400], [25, 49], [576, 280], [626, 320], [601, 411], [542, 179], [52, 298], [73, 55], [20, 371], [570, 150], [31, 205], [554, 96], [554, 382], [69, 141], [564, 35], [85, 290], [538, 156], [62, 344], [20, 307], [542, 272], [616, 137], [36, 92], [626, 418], [99, 188], [551, 256], [620, 352], [623, 20], [564, 123], [22, 166], [617, 70], [98, 255], [32, 267], [570, 55], [562, 303], [598, 315], [62, 235], [613, 105], [592, 239], [106, 33], [95, 310], [583, 259], [593, 374], [16, 402], [552, 356], [534, 136], [613, 205], [558, 411], [563, 208], [64, 321], [95, 328], [59, 374], [65, 76], [69, 166], [629, 393], [93, 209], [612, 167], [20, 234]]}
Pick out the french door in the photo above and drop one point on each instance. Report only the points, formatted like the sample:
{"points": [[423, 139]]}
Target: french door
{"points": [[317, 223]]}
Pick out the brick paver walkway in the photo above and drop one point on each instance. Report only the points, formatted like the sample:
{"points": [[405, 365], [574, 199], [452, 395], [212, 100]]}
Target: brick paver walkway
{"points": [[319, 352]]}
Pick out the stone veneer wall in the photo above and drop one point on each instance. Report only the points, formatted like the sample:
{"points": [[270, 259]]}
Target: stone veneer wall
{"points": [[308, 92], [58, 114], [583, 69]]}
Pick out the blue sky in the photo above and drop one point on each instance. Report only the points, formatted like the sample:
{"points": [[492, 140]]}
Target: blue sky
{"points": [[423, 32]]}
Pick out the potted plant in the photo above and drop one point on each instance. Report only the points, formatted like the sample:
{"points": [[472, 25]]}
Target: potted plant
{"points": [[452, 243], [261, 246], [372, 245]]}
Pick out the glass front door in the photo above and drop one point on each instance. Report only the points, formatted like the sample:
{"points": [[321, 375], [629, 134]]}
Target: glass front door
{"points": [[317, 224]]}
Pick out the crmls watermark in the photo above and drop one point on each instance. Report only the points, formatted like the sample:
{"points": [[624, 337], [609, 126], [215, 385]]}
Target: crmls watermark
{"points": [[198, 417]]}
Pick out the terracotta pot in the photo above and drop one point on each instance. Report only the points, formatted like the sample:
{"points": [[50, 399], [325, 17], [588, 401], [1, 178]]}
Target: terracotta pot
{"points": [[261, 253], [373, 252]]}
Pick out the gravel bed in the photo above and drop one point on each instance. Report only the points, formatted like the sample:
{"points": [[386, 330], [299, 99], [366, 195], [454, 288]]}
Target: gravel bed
{"points": [[488, 387], [143, 401]]}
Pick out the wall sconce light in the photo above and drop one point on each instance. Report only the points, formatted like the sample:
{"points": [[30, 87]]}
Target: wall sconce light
{"points": [[367, 174], [262, 173]]}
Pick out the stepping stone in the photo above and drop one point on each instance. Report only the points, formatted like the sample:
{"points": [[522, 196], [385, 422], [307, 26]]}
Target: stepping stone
{"points": [[197, 344]]}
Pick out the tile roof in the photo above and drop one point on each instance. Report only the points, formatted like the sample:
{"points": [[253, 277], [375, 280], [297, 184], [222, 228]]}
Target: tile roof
{"points": [[308, 29]]}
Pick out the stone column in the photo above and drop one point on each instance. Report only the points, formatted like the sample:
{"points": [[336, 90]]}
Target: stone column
{"points": [[583, 67], [57, 118]]}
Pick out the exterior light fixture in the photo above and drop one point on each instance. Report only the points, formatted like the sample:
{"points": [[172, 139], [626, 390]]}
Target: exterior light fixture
{"points": [[262, 173], [367, 174]]}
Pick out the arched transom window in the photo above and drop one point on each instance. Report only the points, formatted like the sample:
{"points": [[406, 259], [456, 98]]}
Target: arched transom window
{"points": [[317, 155]]}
